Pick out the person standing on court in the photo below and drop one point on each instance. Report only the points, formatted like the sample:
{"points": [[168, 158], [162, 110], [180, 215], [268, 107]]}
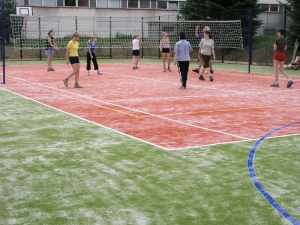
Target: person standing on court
{"points": [[279, 58], [73, 59], [136, 50], [90, 55], [206, 49], [50, 46], [201, 36], [165, 49], [182, 51]]}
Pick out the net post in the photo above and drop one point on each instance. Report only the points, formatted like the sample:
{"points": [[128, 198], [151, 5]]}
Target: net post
{"points": [[249, 38], [40, 38], [110, 44], [142, 36], [3, 41], [159, 36]]}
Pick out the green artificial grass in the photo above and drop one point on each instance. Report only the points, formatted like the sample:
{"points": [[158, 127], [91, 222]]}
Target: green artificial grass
{"points": [[60, 169]]}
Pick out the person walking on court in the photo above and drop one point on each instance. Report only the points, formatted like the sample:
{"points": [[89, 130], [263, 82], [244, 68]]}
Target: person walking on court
{"points": [[182, 51], [201, 36], [50, 46], [280, 46], [73, 59], [206, 49], [90, 55], [136, 50], [165, 49]]}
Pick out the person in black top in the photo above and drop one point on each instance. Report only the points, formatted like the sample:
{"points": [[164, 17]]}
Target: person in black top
{"points": [[50, 45]]}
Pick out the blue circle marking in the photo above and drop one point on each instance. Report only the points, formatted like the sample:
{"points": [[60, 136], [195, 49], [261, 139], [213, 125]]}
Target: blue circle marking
{"points": [[255, 180]]}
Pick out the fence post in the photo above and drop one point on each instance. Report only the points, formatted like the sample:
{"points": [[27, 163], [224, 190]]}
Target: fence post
{"points": [[249, 38], [3, 41], [40, 38], [110, 50], [159, 36], [142, 36]]}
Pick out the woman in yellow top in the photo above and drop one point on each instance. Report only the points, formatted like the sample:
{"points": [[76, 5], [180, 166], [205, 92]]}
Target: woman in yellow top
{"points": [[72, 57]]}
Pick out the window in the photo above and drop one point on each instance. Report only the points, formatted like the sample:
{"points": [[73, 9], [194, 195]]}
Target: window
{"points": [[161, 5], [133, 3], [70, 2], [124, 3], [153, 4], [265, 7], [145, 4], [274, 8], [102, 3], [36, 2], [114, 4], [83, 3], [92, 3], [173, 5], [49, 2], [60, 3]]}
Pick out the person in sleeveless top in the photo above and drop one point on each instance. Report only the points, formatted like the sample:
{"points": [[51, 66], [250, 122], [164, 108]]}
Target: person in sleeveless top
{"points": [[165, 49], [50, 46], [136, 50], [280, 46]]}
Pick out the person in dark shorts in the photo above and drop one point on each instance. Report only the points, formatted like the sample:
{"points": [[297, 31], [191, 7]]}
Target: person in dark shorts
{"points": [[206, 49], [136, 50], [280, 46], [182, 51], [165, 49], [73, 59], [50, 46]]}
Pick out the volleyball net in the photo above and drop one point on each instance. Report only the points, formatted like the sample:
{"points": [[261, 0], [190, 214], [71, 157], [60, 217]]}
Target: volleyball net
{"points": [[30, 32]]}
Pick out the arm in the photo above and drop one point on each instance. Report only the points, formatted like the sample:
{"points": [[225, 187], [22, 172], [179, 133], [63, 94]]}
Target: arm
{"points": [[89, 48], [196, 31], [67, 55], [175, 58], [214, 54]]}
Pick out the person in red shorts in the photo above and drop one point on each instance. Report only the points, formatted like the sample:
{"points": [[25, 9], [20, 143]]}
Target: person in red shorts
{"points": [[279, 58]]}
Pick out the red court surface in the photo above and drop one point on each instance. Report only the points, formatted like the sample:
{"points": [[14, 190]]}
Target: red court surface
{"points": [[147, 103]]}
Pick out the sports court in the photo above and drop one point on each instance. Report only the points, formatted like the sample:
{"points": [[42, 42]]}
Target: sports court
{"points": [[147, 104]]}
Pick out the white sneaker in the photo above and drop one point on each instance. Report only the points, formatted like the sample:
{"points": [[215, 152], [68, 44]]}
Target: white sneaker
{"points": [[99, 72], [88, 73]]}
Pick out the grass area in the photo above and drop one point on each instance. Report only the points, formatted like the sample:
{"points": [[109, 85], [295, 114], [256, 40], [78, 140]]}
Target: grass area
{"points": [[59, 169]]}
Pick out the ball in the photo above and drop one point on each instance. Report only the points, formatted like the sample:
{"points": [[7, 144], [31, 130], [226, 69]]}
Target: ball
{"points": [[285, 66], [290, 66]]}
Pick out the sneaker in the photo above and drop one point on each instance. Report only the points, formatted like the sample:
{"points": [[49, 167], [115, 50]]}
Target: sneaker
{"points": [[211, 78], [183, 88], [290, 82], [76, 85], [65, 82], [211, 71], [201, 77], [164, 70], [134, 67], [99, 72], [275, 85], [48, 70], [196, 70], [51, 69], [169, 70], [88, 73]]}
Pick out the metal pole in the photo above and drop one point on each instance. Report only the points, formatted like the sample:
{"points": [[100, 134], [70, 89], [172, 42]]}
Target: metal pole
{"points": [[159, 35], [3, 41], [249, 38], [40, 38], [142, 37], [110, 50]]}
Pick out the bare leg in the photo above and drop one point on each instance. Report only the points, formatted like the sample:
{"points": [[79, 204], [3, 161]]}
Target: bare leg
{"points": [[281, 63], [164, 60], [136, 60], [49, 61], [169, 59], [77, 68], [276, 63]]}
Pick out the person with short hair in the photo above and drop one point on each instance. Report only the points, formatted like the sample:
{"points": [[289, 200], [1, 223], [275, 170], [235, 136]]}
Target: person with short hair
{"points": [[90, 55], [165, 49], [136, 50], [201, 36], [73, 59], [182, 51], [296, 63], [50, 46], [280, 46], [206, 49]]}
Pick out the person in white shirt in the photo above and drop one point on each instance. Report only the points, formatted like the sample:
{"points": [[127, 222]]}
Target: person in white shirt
{"points": [[136, 50]]}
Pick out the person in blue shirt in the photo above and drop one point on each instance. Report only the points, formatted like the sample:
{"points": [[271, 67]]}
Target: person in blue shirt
{"points": [[90, 55], [182, 51]]}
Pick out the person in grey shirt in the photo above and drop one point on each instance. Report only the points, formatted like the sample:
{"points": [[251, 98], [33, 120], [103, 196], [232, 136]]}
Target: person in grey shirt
{"points": [[182, 51], [206, 49]]}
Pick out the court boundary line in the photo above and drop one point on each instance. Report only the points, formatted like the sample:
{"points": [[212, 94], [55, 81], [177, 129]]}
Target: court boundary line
{"points": [[134, 110], [256, 182]]}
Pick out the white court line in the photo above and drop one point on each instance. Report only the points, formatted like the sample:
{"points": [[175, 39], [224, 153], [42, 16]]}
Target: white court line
{"points": [[135, 110], [100, 125]]}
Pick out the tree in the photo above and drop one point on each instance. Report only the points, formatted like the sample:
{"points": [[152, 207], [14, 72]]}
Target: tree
{"points": [[223, 10], [10, 8], [293, 20]]}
